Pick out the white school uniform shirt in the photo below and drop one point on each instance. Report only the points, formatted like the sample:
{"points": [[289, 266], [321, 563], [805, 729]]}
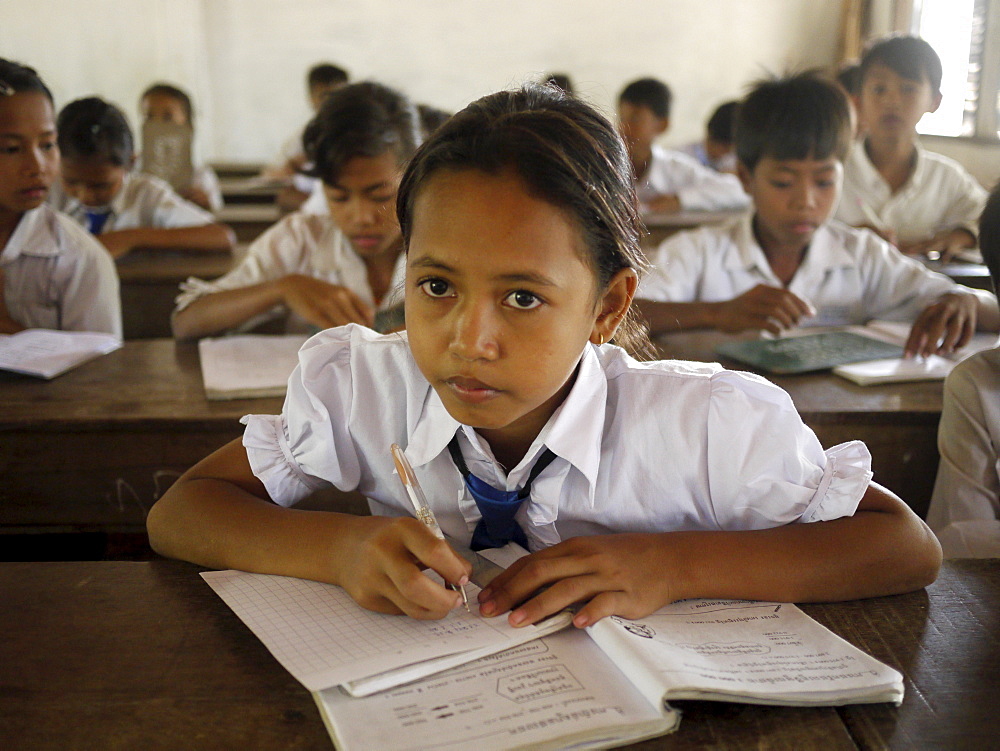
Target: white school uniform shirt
{"points": [[698, 188], [143, 201], [940, 195], [640, 446], [965, 506], [299, 243], [57, 276], [850, 276], [696, 149]]}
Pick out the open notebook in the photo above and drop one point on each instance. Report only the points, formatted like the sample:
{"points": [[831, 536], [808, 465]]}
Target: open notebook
{"points": [[248, 366], [46, 353]]}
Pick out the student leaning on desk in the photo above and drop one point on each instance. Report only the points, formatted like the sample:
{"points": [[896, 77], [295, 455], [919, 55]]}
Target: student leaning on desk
{"points": [[653, 481], [788, 264]]}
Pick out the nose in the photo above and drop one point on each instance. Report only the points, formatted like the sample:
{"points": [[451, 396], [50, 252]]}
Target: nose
{"points": [[806, 196], [34, 162], [475, 331], [362, 212]]}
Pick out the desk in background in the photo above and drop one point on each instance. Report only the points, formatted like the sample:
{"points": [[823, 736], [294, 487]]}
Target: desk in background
{"points": [[249, 220], [661, 226], [897, 421], [105, 655]]}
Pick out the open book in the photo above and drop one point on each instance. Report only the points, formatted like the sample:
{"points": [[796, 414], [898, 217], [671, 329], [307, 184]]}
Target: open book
{"points": [[249, 365], [46, 353]]}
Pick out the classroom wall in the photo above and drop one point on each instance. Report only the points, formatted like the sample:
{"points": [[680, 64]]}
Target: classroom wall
{"points": [[244, 60]]}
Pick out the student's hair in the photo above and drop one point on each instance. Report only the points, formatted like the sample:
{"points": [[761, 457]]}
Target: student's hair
{"points": [[559, 80], [93, 128], [849, 76], [566, 153], [650, 93], [361, 119], [431, 118], [721, 123], [797, 117], [908, 56], [989, 236], [20, 79], [166, 89], [326, 74]]}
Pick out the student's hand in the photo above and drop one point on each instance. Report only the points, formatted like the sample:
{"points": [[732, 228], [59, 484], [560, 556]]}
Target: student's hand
{"points": [[950, 320], [944, 245], [667, 204], [7, 324], [382, 568], [763, 307], [323, 304], [619, 574], [197, 196]]}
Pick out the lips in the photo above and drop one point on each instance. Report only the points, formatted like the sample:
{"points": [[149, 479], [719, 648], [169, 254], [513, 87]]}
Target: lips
{"points": [[35, 192], [471, 390], [366, 242]]}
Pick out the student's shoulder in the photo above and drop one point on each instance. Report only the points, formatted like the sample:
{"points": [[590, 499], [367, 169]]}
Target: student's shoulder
{"points": [[367, 354], [939, 163], [976, 374], [855, 241]]}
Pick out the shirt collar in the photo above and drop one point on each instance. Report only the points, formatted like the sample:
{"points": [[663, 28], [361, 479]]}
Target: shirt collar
{"points": [[25, 238], [115, 207], [747, 254]]}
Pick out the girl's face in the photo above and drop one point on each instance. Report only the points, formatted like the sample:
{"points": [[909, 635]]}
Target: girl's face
{"points": [[163, 108], [362, 201], [29, 156], [92, 181], [499, 302]]}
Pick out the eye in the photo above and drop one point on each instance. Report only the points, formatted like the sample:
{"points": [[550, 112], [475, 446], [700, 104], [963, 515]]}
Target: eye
{"points": [[435, 287], [521, 299], [780, 184]]}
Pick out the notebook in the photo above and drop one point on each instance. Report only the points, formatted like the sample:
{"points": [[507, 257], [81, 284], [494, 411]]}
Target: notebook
{"points": [[166, 152], [46, 353], [808, 352], [248, 366]]}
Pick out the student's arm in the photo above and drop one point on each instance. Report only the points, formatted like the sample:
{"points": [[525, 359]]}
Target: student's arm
{"points": [[943, 245], [209, 237], [320, 303], [761, 308], [951, 320], [884, 548], [7, 324], [218, 514]]}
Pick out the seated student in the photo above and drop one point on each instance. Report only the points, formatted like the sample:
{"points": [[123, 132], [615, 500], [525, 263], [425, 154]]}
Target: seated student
{"points": [[165, 103], [518, 274], [53, 274], [965, 507], [787, 264], [125, 210], [332, 269], [668, 180], [924, 203], [716, 150]]}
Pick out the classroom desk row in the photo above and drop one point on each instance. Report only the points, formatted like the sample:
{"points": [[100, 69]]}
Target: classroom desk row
{"points": [[122, 655], [93, 449]]}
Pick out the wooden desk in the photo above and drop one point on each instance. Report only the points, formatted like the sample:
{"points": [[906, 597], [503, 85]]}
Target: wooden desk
{"points": [[252, 190], [249, 220], [105, 655], [150, 281], [897, 421], [661, 226]]}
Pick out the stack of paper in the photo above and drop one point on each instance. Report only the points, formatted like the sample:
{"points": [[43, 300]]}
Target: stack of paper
{"points": [[248, 366], [46, 353]]}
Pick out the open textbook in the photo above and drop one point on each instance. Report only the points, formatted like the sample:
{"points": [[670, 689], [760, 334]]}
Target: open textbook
{"points": [[46, 353], [248, 365]]}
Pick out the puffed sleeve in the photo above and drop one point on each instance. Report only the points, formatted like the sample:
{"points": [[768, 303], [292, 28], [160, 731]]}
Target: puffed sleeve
{"points": [[308, 446], [767, 468]]}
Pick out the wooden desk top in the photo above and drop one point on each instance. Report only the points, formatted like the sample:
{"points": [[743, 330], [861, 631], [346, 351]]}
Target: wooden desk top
{"points": [[153, 266], [249, 212], [100, 655]]}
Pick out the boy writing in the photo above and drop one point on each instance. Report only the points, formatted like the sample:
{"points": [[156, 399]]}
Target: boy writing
{"points": [[786, 264]]}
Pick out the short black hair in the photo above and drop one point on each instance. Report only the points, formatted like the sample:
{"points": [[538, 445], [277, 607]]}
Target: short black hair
{"points": [[722, 123], [989, 236], [650, 93], [796, 117], [168, 89], [908, 56], [431, 118], [16, 78], [849, 76], [559, 80], [326, 74], [93, 128], [360, 119]]}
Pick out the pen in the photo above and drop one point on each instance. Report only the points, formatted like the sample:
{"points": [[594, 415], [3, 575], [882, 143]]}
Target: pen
{"points": [[419, 501]]}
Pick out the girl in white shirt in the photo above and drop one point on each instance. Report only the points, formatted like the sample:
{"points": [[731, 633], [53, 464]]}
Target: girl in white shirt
{"points": [[652, 481]]}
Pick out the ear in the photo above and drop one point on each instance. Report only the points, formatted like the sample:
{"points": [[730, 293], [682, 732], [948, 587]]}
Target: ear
{"points": [[746, 177], [935, 102], [613, 305], [662, 125]]}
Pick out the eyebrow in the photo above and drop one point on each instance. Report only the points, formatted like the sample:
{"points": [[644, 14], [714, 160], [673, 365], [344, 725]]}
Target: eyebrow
{"points": [[384, 185], [530, 277]]}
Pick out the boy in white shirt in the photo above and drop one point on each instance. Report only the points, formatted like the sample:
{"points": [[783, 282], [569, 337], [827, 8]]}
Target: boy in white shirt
{"points": [[925, 203], [787, 265], [965, 507], [668, 181], [716, 149]]}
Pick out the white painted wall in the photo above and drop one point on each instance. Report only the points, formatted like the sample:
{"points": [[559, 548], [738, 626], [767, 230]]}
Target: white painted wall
{"points": [[244, 60]]}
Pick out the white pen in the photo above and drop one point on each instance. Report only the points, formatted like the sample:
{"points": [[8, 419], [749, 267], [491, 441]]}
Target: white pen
{"points": [[419, 501]]}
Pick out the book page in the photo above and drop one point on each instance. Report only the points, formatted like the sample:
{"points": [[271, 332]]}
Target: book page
{"points": [[46, 353], [250, 365], [324, 638], [755, 652], [551, 692]]}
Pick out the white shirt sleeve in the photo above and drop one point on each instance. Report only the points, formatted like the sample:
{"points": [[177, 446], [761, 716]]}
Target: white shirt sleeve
{"points": [[205, 178], [170, 211], [89, 296], [676, 268], [698, 188]]}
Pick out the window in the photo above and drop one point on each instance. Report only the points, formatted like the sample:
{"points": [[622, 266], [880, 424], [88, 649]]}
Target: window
{"points": [[966, 35]]}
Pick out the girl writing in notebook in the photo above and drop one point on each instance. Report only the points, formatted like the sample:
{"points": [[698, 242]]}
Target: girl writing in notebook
{"points": [[634, 483]]}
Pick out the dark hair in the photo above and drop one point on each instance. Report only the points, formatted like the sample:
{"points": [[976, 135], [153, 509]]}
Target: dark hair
{"points": [[566, 153], [431, 118], [849, 76], [908, 56], [166, 89], [722, 122], [559, 80], [326, 74], [989, 236], [797, 117], [20, 79], [360, 119], [94, 128], [650, 93]]}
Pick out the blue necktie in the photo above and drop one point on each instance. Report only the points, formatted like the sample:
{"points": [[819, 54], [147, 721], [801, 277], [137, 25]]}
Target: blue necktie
{"points": [[497, 527], [96, 220]]}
